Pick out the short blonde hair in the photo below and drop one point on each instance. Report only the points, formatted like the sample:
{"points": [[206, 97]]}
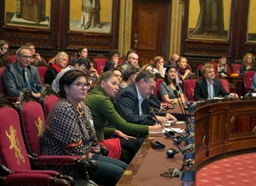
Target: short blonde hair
{"points": [[207, 65]]}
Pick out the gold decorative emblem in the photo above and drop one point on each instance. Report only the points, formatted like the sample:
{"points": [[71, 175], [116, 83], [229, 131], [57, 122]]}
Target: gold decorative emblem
{"points": [[39, 125], [15, 144]]}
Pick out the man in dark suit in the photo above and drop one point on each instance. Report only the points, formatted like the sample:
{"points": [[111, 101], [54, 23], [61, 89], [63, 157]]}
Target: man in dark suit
{"points": [[210, 87], [21, 75], [132, 102]]}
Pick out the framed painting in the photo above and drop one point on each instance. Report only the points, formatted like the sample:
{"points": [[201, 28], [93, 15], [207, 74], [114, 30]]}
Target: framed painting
{"points": [[91, 16], [251, 28], [209, 19], [28, 13]]}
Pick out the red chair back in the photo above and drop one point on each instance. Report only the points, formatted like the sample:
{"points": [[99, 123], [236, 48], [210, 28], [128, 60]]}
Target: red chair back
{"points": [[33, 122], [248, 75], [42, 71], [49, 102], [189, 87], [198, 70], [100, 62], [158, 82], [12, 58], [13, 152], [236, 68], [225, 84]]}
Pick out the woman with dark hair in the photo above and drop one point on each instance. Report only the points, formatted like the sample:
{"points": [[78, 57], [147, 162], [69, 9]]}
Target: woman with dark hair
{"points": [[4, 54], [169, 85], [110, 65], [119, 75], [124, 145], [69, 130], [81, 53]]}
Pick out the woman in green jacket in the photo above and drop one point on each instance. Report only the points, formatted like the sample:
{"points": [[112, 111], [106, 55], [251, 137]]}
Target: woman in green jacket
{"points": [[99, 101]]}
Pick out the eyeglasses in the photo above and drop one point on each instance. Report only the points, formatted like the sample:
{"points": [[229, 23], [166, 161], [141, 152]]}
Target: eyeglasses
{"points": [[151, 86], [81, 85], [134, 58], [27, 57]]}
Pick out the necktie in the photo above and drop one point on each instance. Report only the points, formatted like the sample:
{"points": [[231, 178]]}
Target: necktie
{"points": [[25, 77]]}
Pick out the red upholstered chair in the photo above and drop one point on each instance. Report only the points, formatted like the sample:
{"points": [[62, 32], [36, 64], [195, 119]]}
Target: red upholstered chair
{"points": [[225, 84], [42, 71], [121, 60], [100, 62], [198, 70], [48, 99], [14, 159], [158, 82], [235, 68], [189, 87], [12, 58], [248, 75]]}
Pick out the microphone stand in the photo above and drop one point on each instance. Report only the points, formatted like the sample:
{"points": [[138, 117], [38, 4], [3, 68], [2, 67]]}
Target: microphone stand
{"points": [[183, 112]]}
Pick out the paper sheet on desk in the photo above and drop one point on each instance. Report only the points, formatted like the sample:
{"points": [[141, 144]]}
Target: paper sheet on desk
{"points": [[179, 130]]}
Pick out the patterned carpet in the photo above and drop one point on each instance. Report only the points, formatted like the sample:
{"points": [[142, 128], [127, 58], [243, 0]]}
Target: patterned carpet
{"points": [[237, 170]]}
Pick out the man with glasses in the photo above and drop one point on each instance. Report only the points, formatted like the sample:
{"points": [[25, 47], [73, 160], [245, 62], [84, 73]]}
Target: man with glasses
{"points": [[36, 60], [132, 102], [21, 75], [82, 64], [133, 60]]}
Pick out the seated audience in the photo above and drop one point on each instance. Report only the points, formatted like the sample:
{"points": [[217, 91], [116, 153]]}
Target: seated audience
{"points": [[81, 53], [183, 69], [82, 64], [133, 60], [223, 68], [166, 88], [159, 69], [129, 76], [113, 62], [148, 67], [4, 54], [173, 61], [247, 64], [210, 87], [124, 146], [132, 102], [119, 75], [59, 62], [36, 60], [69, 131], [21, 75]]}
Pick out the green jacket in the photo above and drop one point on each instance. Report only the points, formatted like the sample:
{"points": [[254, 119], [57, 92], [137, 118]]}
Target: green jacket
{"points": [[102, 110]]}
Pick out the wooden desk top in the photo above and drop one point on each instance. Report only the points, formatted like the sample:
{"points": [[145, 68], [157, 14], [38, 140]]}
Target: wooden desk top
{"points": [[149, 163]]}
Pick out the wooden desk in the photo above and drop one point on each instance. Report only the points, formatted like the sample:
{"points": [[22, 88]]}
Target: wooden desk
{"points": [[149, 163], [236, 85], [223, 129]]}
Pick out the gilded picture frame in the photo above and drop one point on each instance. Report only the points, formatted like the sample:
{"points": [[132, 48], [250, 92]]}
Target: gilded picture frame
{"points": [[209, 20], [251, 28], [27, 13], [90, 16]]}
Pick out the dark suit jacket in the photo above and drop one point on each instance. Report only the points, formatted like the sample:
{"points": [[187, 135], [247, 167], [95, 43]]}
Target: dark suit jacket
{"points": [[14, 81], [127, 105], [201, 92], [108, 66]]}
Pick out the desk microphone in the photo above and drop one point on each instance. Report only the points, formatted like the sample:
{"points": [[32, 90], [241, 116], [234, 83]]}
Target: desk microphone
{"points": [[183, 112], [153, 117]]}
